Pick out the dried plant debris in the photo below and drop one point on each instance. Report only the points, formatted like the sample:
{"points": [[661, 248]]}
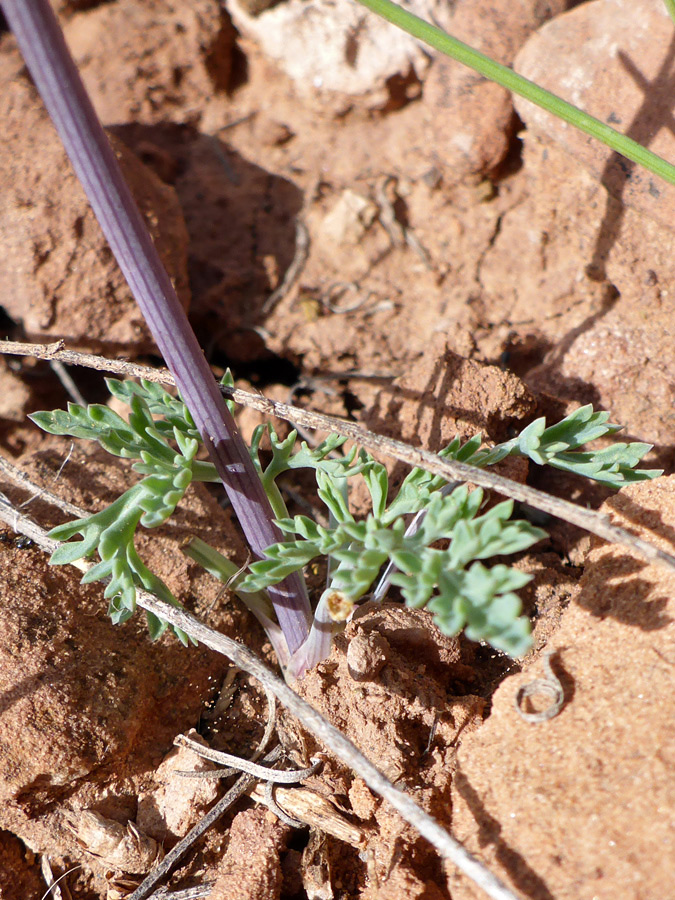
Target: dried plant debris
{"points": [[123, 847]]}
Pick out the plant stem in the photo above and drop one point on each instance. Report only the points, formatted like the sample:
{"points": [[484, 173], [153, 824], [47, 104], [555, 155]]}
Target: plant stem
{"points": [[55, 74], [448, 469], [327, 734], [509, 79]]}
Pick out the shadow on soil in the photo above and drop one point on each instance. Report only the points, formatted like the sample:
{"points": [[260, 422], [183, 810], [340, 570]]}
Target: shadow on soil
{"points": [[240, 221], [618, 171], [521, 874]]}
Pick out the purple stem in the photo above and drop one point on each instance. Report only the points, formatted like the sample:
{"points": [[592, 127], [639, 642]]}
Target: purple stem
{"points": [[55, 74]]}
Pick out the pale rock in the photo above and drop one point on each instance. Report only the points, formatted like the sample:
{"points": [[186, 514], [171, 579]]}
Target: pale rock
{"points": [[349, 219], [175, 805], [124, 847], [338, 46]]}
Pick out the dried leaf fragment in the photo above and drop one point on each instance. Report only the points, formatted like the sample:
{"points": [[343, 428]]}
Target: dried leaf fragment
{"points": [[315, 811], [122, 847]]}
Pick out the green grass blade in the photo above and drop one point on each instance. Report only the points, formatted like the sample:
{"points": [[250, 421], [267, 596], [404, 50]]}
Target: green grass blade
{"points": [[509, 79]]}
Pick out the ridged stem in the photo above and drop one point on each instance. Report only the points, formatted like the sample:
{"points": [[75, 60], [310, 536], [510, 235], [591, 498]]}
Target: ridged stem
{"points": [[55, 74]]}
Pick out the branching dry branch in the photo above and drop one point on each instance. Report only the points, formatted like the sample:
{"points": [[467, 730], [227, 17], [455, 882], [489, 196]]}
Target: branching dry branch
{"points": [[327, 734], [217, 811], [262, 773], [451, 470]]}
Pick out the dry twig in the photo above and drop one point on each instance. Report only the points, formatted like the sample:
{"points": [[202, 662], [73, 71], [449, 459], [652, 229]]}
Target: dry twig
{"points": [[328, 735], [16, 476], [217, 811], [293, 271], [450, 470], [55, 890], [549, 686], [262, 773], [309, 808], [193, 893], [66, 380]]}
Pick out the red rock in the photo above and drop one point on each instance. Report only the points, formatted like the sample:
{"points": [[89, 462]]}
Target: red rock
{"points": [[57, 274], [138, 60], [470, 120], [612, 59], [595, 245]]}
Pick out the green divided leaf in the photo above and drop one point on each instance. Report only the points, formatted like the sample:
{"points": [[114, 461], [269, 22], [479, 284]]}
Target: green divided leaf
{"points": [[439, 564], [557, 446], [168, 473]]}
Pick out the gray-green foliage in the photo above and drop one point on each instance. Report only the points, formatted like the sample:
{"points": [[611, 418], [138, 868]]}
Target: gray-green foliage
{"points": [[558, 445], [155, 420], [448, 580], [438, 566]]}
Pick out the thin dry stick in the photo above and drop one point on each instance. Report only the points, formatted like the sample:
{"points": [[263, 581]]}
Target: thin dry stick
{"points": [[327, 734], [398, 234], [22, 480], [217, 811], [295, 268], [271, 777], [449, 469], [274, 807], [262, 773], [193, 893], [309, 808], [66, 380], [270, 724], [53, 887]]}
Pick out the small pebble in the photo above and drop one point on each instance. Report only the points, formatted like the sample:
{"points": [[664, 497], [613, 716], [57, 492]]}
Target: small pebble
{"points": [[366, 655]]}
